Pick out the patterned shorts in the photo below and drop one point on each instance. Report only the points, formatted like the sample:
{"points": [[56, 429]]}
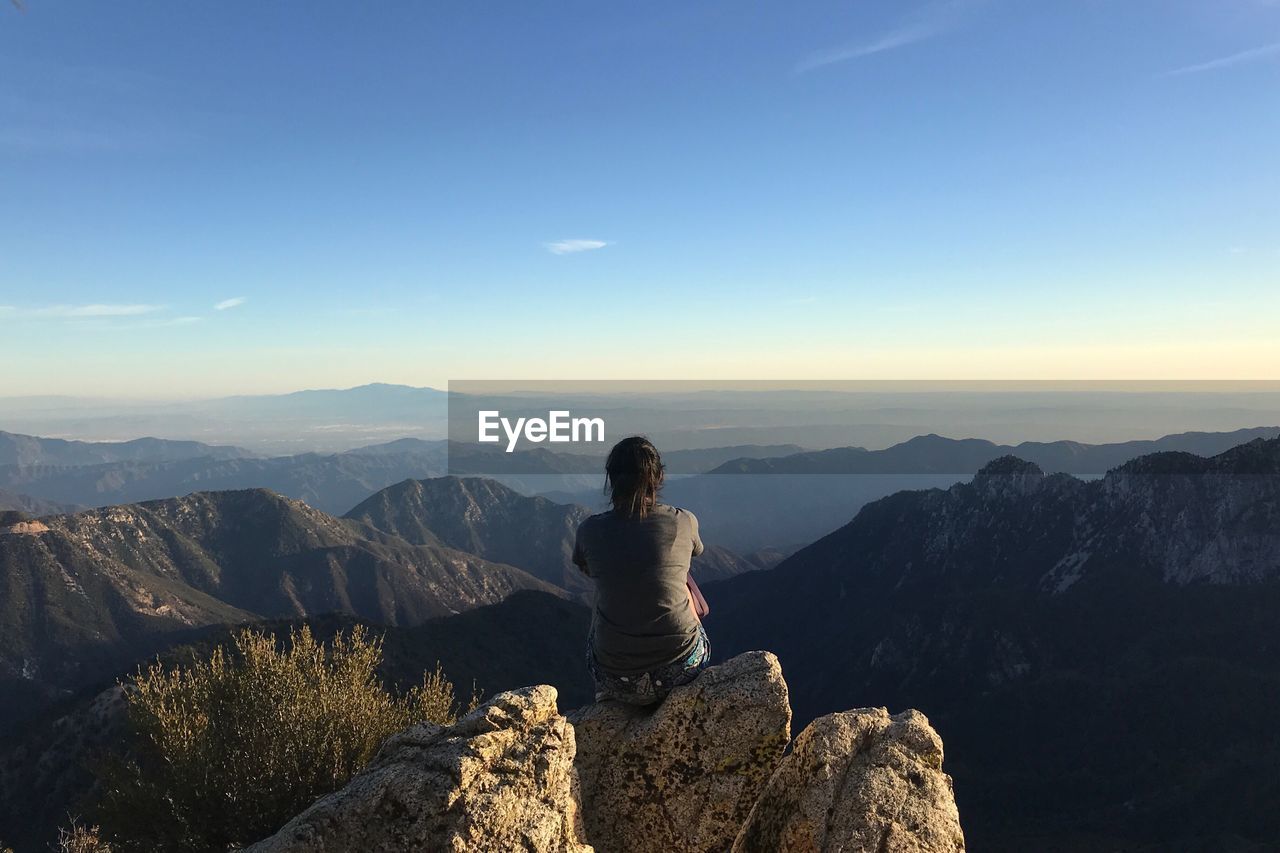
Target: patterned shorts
{"points": [[651, 687]]}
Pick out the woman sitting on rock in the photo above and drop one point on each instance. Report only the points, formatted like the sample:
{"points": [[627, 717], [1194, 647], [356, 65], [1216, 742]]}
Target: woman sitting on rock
{"points": [[646, 631]]}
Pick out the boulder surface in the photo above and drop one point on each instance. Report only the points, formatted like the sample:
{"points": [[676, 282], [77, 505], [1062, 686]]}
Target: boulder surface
{"points": [[501, 778], [858, 781], [703, 772], [683, 776]]}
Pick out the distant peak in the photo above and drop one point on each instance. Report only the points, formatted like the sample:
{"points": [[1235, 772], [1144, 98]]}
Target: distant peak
{"points": [[253, 497], [1007, 466], [932, 439], [927, 438], [1008, 476]]}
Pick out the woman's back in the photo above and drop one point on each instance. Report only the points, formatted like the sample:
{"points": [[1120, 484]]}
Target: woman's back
{"points": [[640, 564]]}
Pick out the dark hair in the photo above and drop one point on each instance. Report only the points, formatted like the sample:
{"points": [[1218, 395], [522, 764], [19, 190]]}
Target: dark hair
{"points": [[633, 475]]}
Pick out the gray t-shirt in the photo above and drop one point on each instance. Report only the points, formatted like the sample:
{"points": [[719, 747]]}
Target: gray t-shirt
{"points": [[642, 619]]}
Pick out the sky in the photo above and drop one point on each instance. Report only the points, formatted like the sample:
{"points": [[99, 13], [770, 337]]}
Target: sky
{"points": [[229, 197]]}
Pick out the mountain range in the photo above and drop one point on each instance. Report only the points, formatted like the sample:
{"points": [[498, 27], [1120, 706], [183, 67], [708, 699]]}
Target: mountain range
{"points": [[17, 449], [26, 505], [677, 416], [934, 454], [1101, 656], [790, 501], [486, 518], [87, 594], [333, 483], [92, 591], [49, 475]]}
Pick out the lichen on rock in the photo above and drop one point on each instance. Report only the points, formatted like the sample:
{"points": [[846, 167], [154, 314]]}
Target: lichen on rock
{"points": [[702, 772], [683, 776], [501, 778], [859, 780]]}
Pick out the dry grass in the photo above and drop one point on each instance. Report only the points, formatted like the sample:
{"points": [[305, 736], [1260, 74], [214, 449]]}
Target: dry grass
{"points": [[80, 839]]}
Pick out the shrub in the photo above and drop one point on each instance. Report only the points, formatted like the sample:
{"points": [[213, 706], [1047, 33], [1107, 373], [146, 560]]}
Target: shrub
{"points": [[227, 749], [79, 839]]}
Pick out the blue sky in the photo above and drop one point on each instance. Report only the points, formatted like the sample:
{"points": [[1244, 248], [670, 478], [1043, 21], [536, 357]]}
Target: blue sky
{"points": [[414, 192]]}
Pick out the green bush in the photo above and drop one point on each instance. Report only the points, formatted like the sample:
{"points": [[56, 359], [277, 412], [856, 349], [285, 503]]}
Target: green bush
{"points": [[228, 749]]}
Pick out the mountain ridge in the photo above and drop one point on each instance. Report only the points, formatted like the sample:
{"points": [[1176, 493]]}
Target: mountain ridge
{"points": [[1038, 618], [108, 585], [27, 450], [484, 517], [935, 454]]}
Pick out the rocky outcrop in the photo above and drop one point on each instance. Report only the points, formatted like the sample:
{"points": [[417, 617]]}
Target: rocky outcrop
{"points": [[702, 772], [501, 778], [24, 528], [858, 781], [683, 776]]}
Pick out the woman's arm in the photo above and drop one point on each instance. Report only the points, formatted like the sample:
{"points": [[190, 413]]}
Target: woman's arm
{"points": [[696, 601]]}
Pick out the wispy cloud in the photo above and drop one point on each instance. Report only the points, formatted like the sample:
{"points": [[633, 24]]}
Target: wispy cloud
{"points": [[101, 316], [1251, 55], [569, 247], [93, 310], [928, 22], [234, 302], [140, 324]]}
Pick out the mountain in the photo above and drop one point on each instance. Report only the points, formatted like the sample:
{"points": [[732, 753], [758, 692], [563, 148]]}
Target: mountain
{"points": [[495, 461], [934, 454], [484, 517], [86, 594], [699, 460], [332, 483], [16, 449], [718, 563], [402, 445], [372, 402], [27, 505], [1096, 653], [790, 501]]}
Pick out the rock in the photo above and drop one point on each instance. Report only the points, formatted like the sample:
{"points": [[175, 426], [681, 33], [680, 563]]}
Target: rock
{"points": [[501, 778], [24, 528], [858, 781], [1008, 477], [684, 776], [701, 773]]}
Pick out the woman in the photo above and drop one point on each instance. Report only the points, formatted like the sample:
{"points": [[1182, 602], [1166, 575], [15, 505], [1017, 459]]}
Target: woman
{"points": [[646, 632]]}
